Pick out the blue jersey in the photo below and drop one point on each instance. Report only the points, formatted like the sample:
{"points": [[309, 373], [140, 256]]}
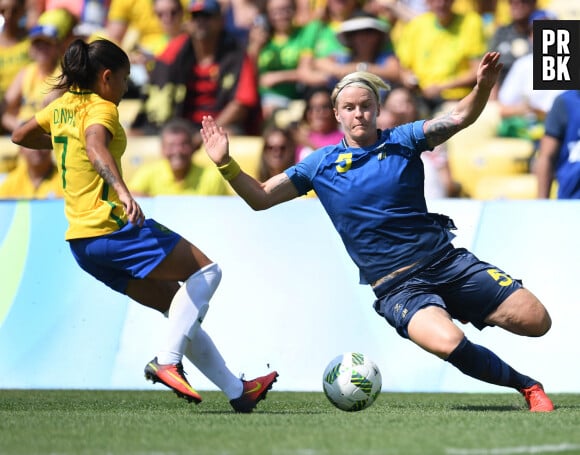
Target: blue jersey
{"points": [[375, 199], [563, 123]]}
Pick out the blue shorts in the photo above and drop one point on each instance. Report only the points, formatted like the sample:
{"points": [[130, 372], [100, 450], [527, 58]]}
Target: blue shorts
{"points": [[132, 252], [467, 288]]}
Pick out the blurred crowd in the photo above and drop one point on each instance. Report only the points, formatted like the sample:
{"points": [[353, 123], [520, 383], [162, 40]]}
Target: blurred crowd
{"points": [[265, 69]]}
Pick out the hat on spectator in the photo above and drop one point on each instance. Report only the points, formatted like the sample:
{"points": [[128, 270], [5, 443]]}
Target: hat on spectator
{"points": [[205, 6], [541, 15], [53, 25], [362, 21]]}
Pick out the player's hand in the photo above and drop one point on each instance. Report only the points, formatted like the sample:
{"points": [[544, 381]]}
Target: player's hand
{"points": [[133, 210], [215, 140], [488, 70]]}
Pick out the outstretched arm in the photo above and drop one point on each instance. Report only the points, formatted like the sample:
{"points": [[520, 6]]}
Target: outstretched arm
{"points": [[466, 111], [259, 196]]}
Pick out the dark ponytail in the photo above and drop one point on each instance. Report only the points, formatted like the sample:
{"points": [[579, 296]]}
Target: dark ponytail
{"points": [[83, 61]]}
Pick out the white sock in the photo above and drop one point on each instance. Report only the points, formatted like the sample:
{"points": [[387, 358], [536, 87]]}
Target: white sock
{"points": [[203, 353], [187, 310]]}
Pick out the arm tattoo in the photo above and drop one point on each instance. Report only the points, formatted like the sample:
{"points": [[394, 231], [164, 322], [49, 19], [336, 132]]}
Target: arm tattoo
{"points": [[105, 172], [439, 129]]}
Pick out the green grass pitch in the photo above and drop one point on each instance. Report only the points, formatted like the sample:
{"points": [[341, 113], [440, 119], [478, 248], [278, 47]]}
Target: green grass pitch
{"points": [[77, 422]]}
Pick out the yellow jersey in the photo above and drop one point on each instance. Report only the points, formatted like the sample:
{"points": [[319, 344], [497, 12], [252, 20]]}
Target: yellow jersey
{"points": [[92, 207]]}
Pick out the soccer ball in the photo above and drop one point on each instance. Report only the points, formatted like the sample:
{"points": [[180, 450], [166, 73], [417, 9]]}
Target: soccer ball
{"points": [[352, 381]]}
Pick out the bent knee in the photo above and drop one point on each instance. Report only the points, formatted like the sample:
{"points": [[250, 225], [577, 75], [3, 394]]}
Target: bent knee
{"points": [[536, 321], [432, 329], [542, 325], [522, 313], [447, 346]]}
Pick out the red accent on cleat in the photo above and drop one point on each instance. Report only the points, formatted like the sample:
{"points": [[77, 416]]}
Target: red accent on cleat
{"points": [[254, 392], [537, 399], [172, 376]]}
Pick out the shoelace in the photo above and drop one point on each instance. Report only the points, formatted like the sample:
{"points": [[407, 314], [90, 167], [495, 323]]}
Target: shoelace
{"points": [[179, 368]]}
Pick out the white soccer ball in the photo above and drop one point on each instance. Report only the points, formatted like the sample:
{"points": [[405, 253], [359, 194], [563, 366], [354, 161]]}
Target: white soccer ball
{"points": [[352, 381]]}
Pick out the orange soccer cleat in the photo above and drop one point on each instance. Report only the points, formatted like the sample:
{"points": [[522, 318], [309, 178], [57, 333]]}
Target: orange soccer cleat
{"points": [[537, 399], [254, 391], [172, 376]]}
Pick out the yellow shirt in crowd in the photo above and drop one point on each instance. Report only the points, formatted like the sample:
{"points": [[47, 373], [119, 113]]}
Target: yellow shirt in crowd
{"points": [[12, 60], [35, 89], [144, 26], [436, 54], [156, 179], [17, 185]]}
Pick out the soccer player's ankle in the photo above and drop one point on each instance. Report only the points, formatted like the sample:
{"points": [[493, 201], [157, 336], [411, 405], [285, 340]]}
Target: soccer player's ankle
{"points": [[528, 383], [169, 358], [234, 390]]}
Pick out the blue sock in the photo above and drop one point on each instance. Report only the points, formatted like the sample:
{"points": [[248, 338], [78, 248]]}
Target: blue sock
{"points": [[480, 363]]}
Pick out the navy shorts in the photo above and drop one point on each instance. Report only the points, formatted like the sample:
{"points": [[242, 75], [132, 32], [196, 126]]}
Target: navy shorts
{"points": [[467, 288], [132, 252]]}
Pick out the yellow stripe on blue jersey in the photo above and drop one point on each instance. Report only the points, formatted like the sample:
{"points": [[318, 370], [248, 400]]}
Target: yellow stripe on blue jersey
{"points": [[92, 208]]}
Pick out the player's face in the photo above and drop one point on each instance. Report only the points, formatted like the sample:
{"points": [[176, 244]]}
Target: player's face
{"points": [[356, 110], [118, 84]]}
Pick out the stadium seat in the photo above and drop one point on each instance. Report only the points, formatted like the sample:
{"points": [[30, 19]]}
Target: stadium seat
{"points": [[484, 128], [283, 118], [492, 187], [492, 157], [140, 150], [565, 9], [128, 109], [247, 151]]}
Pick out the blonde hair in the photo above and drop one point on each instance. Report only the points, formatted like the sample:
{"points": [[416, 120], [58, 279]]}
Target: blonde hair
{"points": [[362, 79]]}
